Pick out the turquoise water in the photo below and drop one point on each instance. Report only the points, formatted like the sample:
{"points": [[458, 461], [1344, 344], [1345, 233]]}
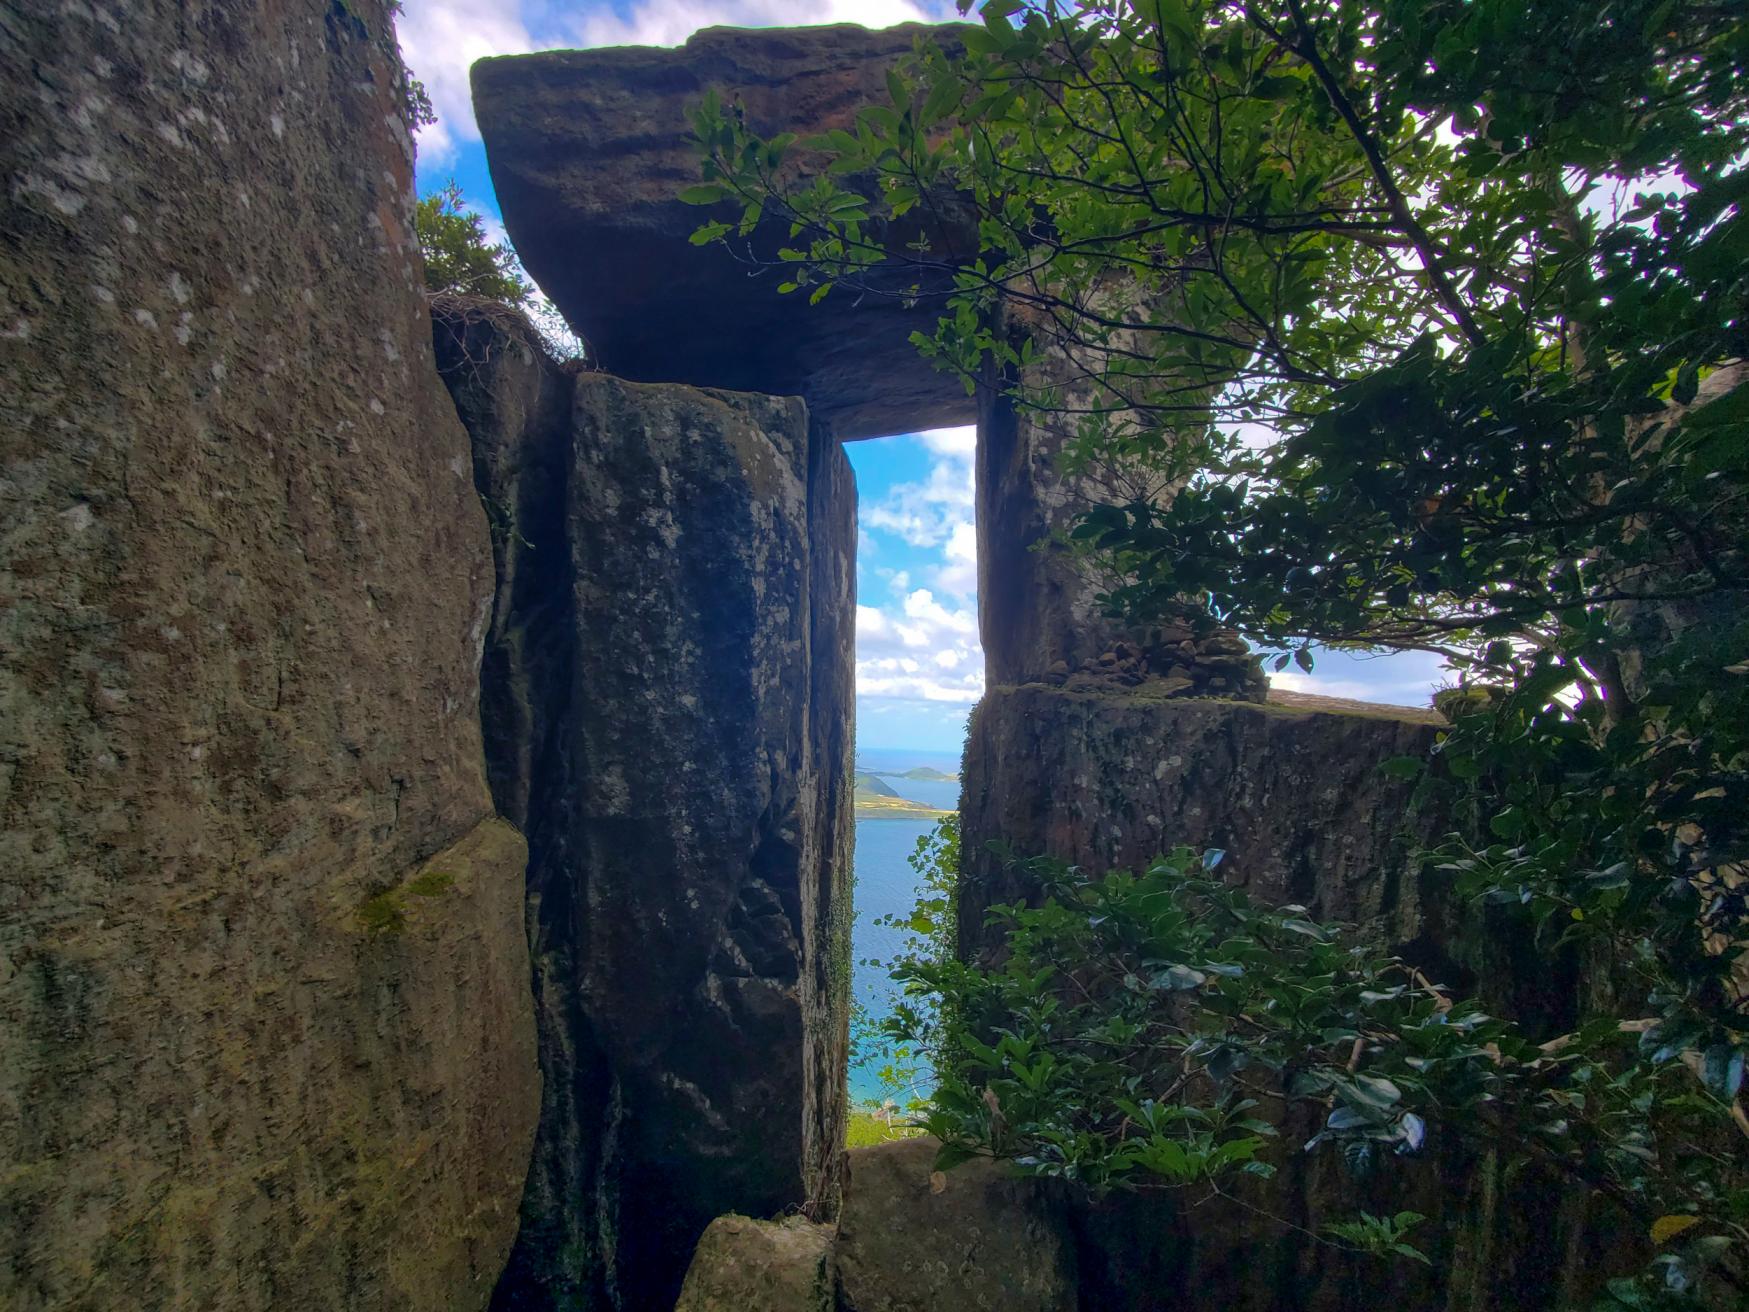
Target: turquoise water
{"points": [[886, 885]]}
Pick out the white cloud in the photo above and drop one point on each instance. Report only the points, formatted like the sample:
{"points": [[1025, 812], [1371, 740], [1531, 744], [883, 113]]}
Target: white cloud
{"points": [[958, 574], [927, 514], [1395, 678], [440, 40], [923, 645], [960, 443], [927, 652], [493, 227]]}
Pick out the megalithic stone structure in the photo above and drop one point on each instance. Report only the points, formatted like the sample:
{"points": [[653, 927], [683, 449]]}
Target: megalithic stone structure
{"points": [[668, 703], [589, 150]]}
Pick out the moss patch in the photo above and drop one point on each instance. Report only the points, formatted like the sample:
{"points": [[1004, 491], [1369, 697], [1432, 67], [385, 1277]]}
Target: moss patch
{"points": [[383, 914], [388, 912], [432, 883]]}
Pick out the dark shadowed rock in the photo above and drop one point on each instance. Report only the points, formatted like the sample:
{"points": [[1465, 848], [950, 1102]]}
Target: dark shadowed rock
{"points": [[265, 1036], [515, 403], [589, 150], [977, 1237], [688, 520], [667, 704]]}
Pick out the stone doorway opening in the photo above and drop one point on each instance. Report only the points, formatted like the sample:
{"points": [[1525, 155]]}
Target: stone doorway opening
{"points": [[919, 670]]}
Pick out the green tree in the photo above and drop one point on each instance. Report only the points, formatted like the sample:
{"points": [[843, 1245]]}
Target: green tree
{"points": [[458, 256], [1433, 313]]}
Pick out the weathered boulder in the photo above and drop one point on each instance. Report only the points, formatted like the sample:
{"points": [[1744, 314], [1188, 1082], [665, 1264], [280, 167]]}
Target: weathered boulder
{"points": [[667, 705], [975, 1237], [589, 150], [265, 1034], [743, 1265], [1291, 790]]}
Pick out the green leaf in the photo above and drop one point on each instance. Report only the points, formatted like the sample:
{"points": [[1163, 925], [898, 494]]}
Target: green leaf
{"points": [[703, 193], [943, 96]]}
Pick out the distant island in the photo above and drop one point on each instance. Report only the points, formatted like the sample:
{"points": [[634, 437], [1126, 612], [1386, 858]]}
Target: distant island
{"points": [[876, 801], [923, 772]]}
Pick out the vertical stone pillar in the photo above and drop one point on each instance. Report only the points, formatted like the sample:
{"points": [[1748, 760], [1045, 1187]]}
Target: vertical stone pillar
{"points": [[1039, 596], [827, 912], [688, 810], [1038, 606], [668, 702]]}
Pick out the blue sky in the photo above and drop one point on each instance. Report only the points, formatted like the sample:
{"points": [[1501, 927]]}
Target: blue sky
{"points": [[919, 666]]}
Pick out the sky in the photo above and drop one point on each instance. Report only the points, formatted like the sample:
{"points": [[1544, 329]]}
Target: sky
{"points": [[919, 665]]}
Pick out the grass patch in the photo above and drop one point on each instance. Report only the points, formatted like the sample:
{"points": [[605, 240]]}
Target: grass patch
{"points": [[865, 1128]]}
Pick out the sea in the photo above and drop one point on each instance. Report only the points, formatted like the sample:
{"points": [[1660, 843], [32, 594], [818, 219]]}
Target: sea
{"points": [[886, 885]]}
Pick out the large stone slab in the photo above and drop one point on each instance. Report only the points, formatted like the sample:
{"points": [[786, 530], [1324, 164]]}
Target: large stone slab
{"points": [[1108, 779], [589, 150], [265, 1035], [668, 715]]}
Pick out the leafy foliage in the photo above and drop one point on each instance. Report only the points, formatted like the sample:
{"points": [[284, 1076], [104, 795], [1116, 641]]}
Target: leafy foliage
{"points": [[1158, 1031], [1437, 337], [1381, 1235], [458, 255]]}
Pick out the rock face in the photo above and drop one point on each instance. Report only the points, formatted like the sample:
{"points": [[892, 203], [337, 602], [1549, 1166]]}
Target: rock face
{"points": [[974, 1237], [1110, 778], [1292, 791], [829, 854], [982, 1236], [265, 1034], [743, 1265], [1037, 607], [909, 1239], [668, 699], [589, 150], [1039, 594]]}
